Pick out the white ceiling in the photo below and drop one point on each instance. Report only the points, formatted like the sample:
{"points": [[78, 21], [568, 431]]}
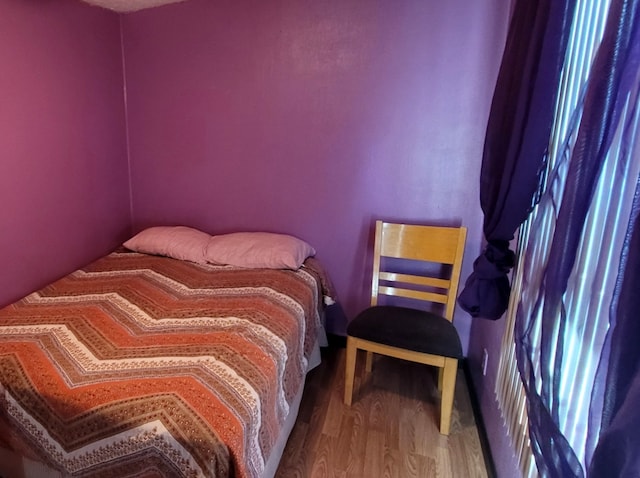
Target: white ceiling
{"points": [[124, 6]]}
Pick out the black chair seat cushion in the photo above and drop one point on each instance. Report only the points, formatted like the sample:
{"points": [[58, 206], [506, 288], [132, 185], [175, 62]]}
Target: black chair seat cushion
{"points": [[410, 329]]}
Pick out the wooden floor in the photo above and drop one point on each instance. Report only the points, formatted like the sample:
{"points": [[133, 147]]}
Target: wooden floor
{"points": [[389, 431]]}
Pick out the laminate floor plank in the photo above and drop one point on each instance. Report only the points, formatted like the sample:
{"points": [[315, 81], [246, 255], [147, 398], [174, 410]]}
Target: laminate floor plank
{"points": [[390, 431]]}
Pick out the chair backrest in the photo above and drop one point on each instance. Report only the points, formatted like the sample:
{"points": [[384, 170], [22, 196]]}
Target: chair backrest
{"points": [[429, 244]]}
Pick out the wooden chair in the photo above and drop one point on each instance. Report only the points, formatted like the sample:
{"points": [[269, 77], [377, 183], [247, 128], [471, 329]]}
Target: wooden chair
{"points": [[408, 332]]}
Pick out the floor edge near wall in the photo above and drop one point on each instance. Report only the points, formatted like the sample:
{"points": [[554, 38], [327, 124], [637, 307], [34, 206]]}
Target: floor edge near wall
{"points": [[482, 430]]}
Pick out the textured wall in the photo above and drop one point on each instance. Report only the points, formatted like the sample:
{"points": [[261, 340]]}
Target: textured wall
{"points": [[308, 117], [313, 118], [64, 195]]}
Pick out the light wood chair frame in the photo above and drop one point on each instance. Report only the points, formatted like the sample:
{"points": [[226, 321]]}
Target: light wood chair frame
{"points": [[444, 245]]}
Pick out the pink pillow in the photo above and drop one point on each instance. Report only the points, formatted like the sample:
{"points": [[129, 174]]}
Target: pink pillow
{"points": [[259, 250], [179, 242]]}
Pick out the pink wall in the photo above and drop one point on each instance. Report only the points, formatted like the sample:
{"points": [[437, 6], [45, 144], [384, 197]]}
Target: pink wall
{"points": [[63, 172], [312, 118]]}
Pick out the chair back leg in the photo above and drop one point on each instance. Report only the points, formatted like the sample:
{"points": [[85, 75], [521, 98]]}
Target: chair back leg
{"points": [[368, 365]]}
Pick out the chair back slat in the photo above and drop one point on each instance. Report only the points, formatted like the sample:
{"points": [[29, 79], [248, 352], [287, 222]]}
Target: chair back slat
{"points": [[417, 280], [413, 294], [441, 247], [420, 243]]}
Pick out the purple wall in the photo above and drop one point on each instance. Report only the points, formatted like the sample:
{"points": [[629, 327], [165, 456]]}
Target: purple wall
{"points": [[312, 118], [488, 334], [307, 117], [64, 190]]}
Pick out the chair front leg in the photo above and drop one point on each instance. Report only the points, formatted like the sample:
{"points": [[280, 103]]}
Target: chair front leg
{"points": [[449, 372], [350, 370]]}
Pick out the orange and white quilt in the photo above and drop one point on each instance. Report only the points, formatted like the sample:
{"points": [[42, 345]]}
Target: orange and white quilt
{"points": [[141, 365]]}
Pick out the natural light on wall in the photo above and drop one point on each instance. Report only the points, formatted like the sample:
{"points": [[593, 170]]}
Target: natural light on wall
{"points": [[589, 294]]}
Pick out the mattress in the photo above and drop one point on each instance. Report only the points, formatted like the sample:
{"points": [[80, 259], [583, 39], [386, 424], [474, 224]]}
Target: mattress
{"points": [[141, 365]]}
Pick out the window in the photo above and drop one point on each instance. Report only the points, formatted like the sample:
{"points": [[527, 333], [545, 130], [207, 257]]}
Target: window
{"points": [[589, 293]]}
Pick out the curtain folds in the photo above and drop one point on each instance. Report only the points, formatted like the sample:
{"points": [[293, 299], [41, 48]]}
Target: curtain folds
{"points": [[615, 418], [619, 442], [514, 158], [613, 76], [516, 141]]}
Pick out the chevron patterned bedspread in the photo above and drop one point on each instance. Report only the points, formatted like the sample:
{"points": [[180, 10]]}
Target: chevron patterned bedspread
{"points": [[140, 365]]}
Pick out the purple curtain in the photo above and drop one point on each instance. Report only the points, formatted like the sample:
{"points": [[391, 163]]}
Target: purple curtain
{"points": [[614, 72], [615, 412], [618, 449], [516, 142]]}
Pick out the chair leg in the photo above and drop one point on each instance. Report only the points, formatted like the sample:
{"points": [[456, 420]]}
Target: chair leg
{"points": [[368, 364], [448, 373], [350, 370], [440, 378]]}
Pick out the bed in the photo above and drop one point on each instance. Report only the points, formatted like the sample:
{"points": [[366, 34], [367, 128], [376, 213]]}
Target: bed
{"points": [[146, 365]]}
